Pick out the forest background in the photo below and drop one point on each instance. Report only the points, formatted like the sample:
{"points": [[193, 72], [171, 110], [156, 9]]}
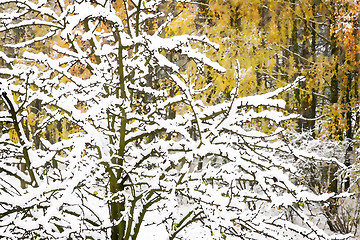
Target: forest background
{"points": [[308, 49]]}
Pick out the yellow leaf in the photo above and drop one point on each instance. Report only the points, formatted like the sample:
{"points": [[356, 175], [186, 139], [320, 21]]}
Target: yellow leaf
{"points": [[31, 119]]}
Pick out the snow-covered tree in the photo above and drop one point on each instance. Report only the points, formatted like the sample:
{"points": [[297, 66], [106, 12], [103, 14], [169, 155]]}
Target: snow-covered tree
{"points": [[132, 168]]}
